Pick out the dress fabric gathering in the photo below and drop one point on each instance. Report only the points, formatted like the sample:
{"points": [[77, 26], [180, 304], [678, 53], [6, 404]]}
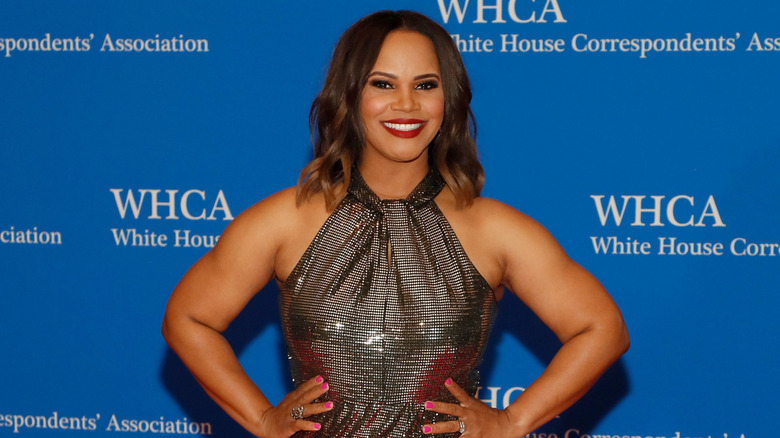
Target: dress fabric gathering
{"points": [[385, 305]]}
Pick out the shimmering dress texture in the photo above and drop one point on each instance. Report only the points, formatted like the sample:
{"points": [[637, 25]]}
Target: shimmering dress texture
{"points": [[385, 305]]}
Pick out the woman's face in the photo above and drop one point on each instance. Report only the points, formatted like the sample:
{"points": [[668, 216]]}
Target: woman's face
{"points": [[402, 103]]}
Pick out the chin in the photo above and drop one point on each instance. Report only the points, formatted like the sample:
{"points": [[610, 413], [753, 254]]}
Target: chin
{"points": [[409, 155]]}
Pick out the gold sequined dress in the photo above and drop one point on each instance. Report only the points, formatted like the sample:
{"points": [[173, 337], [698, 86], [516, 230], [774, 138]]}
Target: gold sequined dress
{"points": [[385, 305]]}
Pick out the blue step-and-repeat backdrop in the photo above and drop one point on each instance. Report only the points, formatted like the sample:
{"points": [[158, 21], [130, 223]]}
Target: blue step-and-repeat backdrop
{"points": [[644, 135]]}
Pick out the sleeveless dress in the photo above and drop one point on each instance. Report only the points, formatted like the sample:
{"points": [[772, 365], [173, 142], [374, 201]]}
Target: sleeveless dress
{"points": [[385, 305]]}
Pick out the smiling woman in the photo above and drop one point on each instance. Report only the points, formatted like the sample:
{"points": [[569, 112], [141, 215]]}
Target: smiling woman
{"points": [[402, 105], [390, 265], [357, 73]]}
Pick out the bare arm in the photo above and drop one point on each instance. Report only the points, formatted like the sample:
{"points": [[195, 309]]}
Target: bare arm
{"points": [[209, 297], [575, 306], [512, 250]]}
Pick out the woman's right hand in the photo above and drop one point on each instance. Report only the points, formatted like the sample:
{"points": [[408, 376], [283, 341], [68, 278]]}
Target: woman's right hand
{"points": [[278, 422]]}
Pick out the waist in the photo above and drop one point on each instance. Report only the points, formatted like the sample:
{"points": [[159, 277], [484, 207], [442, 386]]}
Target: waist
{"points": [[362, 418], [390, 384]]}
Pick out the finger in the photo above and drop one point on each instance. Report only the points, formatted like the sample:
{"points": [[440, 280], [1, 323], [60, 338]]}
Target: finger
{"points": [[313, 409], [457, 391], [443, 427], [307, 425], [312, 383], [312, 394], [307, 392], [317, 408], [444, 408]]}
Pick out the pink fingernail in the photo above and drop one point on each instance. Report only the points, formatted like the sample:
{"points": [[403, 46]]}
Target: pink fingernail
{"points": [[317, 426], [318, 379], [324, 386], [427, 429], [449, 381], [328, 405], [428, 405]]}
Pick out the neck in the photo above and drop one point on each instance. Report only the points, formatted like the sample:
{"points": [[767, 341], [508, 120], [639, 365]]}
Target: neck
{"points": [[393, 180]]}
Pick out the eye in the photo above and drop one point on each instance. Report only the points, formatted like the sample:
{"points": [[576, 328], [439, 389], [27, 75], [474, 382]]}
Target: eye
{"points": [[427, 85], [382, 84]]}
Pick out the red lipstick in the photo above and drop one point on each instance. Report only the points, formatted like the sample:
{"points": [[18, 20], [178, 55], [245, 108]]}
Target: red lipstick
{"points": [[404, 128]]}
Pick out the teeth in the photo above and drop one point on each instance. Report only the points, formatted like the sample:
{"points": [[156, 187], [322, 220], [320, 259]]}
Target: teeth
{"points": [[402, 126]]}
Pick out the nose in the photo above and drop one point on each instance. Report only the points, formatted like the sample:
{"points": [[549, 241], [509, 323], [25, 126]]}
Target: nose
{"points": [[405, 100]]}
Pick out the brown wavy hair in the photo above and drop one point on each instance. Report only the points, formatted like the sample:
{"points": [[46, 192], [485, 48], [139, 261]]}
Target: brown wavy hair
{"points": [[336, 124]]}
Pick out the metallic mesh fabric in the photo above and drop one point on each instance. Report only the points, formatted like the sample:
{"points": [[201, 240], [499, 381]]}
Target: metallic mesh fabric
{"points": [[385, 305]]}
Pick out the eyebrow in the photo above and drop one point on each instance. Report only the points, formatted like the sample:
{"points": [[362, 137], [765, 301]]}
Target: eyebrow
{"points": [[392, 76]]}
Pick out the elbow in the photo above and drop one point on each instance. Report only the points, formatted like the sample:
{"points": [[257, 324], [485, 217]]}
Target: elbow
{"points": [[609, 334], [174, 325], [169, 328], [625, 340], [165, 329], [614, 338], [181, 330], [621, 339], [615, 332]]}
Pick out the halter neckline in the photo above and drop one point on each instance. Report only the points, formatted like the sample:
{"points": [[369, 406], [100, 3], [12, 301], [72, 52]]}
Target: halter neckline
{"points": [[427, 189]]}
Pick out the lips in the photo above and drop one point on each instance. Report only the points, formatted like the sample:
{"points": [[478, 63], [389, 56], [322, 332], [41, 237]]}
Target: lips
{"points": [[404, 128]]}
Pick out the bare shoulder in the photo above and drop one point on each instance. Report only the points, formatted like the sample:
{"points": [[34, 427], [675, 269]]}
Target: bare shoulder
{"points": [[489, 231], [503, 219], [264, 219], [493, 219], [524, 244], [277, 221], [502, 241]]}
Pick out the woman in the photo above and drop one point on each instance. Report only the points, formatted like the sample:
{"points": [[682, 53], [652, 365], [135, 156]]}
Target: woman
{"points": [[390, 265]]}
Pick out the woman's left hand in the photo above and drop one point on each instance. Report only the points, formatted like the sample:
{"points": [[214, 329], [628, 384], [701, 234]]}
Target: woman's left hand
{"points": [[479, 419]]}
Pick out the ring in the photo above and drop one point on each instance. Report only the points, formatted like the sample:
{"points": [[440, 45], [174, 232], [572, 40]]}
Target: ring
{"points": [[462, 426], [297, 412]]}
